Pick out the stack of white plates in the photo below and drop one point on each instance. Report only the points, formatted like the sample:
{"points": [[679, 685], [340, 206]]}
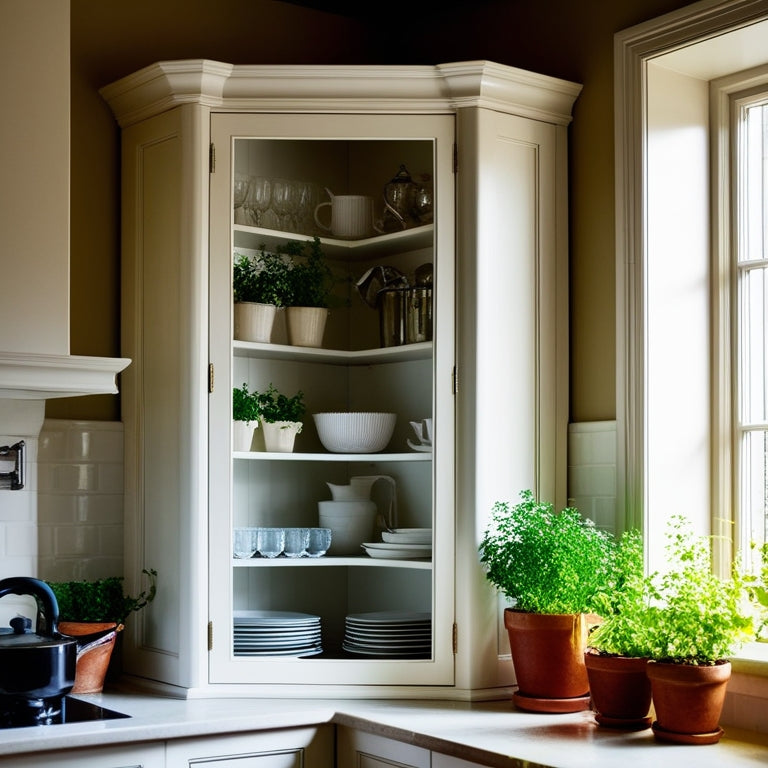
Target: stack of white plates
{"points": [[276, 633], [385, 551], [390, 634], [408, 536]]}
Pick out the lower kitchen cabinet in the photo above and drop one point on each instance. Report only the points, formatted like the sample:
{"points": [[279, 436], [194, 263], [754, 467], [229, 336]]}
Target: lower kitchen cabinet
{"points": [[122, 756], [289, 748], [357, 749]]}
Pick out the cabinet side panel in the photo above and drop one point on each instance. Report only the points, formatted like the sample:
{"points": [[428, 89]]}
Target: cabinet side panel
{"points": [[507, 351], [163, 293]]}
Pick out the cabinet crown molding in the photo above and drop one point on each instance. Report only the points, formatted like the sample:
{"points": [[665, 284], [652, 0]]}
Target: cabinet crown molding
{"points": [[444, 88]]}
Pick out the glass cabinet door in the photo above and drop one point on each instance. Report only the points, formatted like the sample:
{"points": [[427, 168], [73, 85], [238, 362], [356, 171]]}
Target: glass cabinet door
{"points": [[382, 613]]}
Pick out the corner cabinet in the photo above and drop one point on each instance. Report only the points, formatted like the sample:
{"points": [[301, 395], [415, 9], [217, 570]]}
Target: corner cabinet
{"points": [[490, 143]]}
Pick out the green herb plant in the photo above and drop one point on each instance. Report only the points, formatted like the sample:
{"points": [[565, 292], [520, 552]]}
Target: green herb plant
{"points": [[273, 406], [262, 279], [245, 404], [102, 600], [757, 588], [627, 628], [547, 562], [697, 616], [310, 279]]}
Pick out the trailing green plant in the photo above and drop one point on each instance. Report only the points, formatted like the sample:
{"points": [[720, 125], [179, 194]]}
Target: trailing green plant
{"points": [[263, 279], [627, 627], [273, 406], [245, 404], [757, 588], [698, 617], [310, 279], [101, 600], [547, 562]]}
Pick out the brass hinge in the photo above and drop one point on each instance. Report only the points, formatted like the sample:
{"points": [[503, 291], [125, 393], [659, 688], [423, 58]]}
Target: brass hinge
{"points": [[454, 380], [210, 635], [455, 158], [212, 158], [455, 639], [210, 377]]}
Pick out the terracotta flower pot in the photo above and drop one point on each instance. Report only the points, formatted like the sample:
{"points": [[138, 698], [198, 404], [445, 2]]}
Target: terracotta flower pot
{"points": [[688, 700], [620, 690], [92, 665], [548, 655]]}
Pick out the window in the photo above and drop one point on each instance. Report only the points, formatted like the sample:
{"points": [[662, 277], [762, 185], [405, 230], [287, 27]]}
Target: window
{"points": [[750, 297]]}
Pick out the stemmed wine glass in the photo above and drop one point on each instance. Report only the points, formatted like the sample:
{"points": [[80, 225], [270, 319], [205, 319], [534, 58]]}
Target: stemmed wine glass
{"points": [[260, 199], [240, 190], [285, 203]]}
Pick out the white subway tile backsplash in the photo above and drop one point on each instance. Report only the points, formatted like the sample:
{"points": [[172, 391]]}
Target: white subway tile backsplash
{"points": [[592, 471], [80, 472]]}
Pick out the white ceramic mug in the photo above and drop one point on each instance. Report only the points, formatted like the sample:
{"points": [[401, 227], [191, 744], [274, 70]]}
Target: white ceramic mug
{"points": [[351, 216]]}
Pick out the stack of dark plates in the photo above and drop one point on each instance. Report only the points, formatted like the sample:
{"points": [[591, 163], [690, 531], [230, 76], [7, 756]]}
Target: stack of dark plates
{"points": [[390, 634], [276, 633]]}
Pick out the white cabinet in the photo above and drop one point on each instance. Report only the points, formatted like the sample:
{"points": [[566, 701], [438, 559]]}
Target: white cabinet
{"points": [[145, 756], [357, 749], [289, 748], [493, 378]]}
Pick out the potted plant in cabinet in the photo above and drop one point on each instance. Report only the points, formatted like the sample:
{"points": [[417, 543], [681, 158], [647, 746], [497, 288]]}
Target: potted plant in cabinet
{"points": [[281, 418], [619, 647], [259, 287], [699, 620], [553, 566], [88, 607], [310, 282], [245, 417]]}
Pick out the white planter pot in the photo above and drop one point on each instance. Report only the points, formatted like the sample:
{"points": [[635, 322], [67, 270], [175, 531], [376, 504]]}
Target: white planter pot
{"points": [[279, 436], [242, 435], [253, 322], [306, 326]]}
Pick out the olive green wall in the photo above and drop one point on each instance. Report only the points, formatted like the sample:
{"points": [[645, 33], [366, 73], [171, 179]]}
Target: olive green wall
{"points": [[562, 38]]}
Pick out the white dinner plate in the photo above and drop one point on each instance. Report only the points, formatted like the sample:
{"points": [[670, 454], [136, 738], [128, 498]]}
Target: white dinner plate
{"points": [[398, 551], [274, 618], [408, 536], [390, 617], [312, 651]]}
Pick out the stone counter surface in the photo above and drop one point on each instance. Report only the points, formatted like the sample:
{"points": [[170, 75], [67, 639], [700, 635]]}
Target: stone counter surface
{"points": [[488, 733]]}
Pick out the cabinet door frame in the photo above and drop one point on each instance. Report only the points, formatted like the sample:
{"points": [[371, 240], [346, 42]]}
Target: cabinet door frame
{"points": [[224, 667]]}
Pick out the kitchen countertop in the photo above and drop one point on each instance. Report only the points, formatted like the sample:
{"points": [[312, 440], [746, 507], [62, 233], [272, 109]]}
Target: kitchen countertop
{"points": [[490, 733]]}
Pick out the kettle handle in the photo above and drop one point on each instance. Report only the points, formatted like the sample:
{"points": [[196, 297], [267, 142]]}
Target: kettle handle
{"points": [[47, 606]]}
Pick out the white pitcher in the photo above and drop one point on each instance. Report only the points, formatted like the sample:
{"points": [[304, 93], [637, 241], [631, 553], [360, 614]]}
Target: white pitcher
{"points": [[351, 216], [359, 489]]}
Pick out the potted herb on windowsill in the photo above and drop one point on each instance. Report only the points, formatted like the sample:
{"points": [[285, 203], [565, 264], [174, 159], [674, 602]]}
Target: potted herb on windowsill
{"points": [[553, 566], [245, 417], [86, 607], [259, 286], [620, 646], [310, 282], [281, 418], [699, 620]]}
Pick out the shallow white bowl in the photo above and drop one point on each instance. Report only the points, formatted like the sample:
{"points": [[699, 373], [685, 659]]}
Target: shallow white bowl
{"points": [[354, 432], [408, 536]]}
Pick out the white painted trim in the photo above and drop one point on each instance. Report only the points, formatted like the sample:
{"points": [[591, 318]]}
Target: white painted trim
{"points": [[29, 376], [634, 48], [334, 89]]}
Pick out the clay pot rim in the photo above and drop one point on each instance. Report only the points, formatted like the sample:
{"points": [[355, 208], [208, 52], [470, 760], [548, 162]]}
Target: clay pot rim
{"points": [[665, 670]]}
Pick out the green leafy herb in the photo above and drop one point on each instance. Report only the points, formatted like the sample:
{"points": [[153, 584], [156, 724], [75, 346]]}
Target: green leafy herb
{"points": [[100, 600], [263, 279], [273, 406], [547, 562], [245, 404], [310, 279]]}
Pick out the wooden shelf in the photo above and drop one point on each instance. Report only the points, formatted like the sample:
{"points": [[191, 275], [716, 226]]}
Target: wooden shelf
{"points": [[418, 351], [343, 457], [345, 250]]}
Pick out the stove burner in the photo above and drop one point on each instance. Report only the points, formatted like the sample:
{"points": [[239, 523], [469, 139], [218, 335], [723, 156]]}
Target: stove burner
{"points": [[18, 712]]}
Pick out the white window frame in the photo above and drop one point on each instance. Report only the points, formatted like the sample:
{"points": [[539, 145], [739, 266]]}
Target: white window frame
{"points": [[710, 24]]}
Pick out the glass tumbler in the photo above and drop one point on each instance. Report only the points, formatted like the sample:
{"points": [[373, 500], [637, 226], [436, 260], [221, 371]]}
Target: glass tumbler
{"points": [[270, 541], [244, 543], [318, 542], [296, 541]]}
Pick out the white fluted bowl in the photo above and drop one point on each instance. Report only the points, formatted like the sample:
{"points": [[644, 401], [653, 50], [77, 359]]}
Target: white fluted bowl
{"points": [[354, 432]]}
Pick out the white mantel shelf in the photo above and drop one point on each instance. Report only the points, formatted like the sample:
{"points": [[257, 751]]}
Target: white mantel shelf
{"points": [[29, 376]]}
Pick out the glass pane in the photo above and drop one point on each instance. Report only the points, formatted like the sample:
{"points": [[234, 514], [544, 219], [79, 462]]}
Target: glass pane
{"points": [[753, 351], [754, 232], [754, 485]]}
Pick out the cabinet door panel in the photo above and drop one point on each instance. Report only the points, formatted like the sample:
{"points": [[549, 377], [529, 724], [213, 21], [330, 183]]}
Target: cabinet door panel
{"points": [[148, 756], [350, 154], [356, 749]]}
